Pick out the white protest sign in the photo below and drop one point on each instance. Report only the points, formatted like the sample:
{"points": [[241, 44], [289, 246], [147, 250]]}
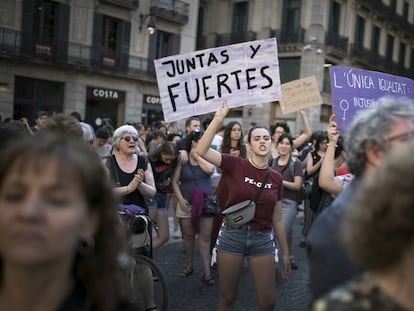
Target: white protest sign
{"points": [[300, 94], [197, 83]]}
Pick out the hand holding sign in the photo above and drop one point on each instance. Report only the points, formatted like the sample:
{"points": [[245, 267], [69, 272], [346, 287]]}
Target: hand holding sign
{"points": [[222, 112], [332, 130]]}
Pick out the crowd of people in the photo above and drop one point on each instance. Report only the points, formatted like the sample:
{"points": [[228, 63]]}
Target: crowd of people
{"points": [[367, 252]]}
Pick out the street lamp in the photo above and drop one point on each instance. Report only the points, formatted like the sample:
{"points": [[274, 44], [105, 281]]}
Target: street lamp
{"points": [[151, 23]]}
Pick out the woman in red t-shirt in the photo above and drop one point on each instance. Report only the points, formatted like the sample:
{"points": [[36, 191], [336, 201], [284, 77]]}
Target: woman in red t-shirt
{"points": [[241, 180]]}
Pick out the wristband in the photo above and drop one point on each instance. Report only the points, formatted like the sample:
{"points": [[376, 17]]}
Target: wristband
{"points": [[331, 145]]}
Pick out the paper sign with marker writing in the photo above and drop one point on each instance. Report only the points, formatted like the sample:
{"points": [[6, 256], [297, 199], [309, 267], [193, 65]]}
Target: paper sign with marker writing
{"points": [[197, 83], [300, 94], [354, 90]]}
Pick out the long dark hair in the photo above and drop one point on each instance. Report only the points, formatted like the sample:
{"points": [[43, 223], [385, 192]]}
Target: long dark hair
{"points": [[226, 144], [98, 272]]}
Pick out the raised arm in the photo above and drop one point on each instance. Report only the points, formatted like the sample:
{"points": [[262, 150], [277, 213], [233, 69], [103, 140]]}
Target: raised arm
{"points": [[306, 134], [327, 180], [203, 147]]}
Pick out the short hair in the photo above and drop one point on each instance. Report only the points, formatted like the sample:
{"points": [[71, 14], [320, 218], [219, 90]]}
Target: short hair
{"points": [[102, 133], [382, 210], [64, 125], [283, 136], [166, 148], [188, 121], [88, 133], [76, 115], [116, 137], [41, 113], [281, 124], [370, 128]]}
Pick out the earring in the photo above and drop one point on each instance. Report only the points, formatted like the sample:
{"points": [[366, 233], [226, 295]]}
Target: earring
{"points": [[86, 246]]}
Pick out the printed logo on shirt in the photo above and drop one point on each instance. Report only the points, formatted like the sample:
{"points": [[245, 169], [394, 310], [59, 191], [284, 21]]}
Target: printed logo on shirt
{"points": [[258, 184]]}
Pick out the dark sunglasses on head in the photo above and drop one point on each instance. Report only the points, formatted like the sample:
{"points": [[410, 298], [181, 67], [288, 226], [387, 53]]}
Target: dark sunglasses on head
{"points": [[128, 138]]}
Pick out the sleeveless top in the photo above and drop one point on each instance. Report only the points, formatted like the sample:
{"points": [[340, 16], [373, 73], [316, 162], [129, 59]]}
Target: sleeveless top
{"points": [[120, 179]]}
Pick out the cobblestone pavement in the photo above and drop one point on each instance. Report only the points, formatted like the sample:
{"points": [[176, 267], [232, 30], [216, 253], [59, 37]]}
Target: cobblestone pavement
{"points": [[187, 294]]}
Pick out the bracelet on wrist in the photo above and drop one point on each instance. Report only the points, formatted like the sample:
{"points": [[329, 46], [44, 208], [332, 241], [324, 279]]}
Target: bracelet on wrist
{"points": [[332, 145]]}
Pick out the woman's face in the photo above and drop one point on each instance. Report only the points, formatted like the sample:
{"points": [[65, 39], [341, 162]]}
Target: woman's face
{"points": [[284, 147], [278, 131], [260, 141], [128, 143], [167, 158], [235, 133], [323, 145], [43, 215]]}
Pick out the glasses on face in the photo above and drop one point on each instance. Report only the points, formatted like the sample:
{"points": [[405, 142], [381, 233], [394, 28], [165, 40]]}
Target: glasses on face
{"points": [[406, 136], [128, 138]]}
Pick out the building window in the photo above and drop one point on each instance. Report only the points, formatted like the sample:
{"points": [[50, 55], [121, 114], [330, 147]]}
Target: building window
{"points": [[110, 29], [412, 59], [44, 17], [291, 21], [359, 32], [239, 20], [390, 48], [406, 8], [393, 5], [289, 69], [164, 44], [401, 56], [375, 40], [335, 17]]}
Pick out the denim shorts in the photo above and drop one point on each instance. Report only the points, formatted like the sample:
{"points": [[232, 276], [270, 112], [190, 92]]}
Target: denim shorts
{"points": [[245, 241], [288, 213], [158, 201]]}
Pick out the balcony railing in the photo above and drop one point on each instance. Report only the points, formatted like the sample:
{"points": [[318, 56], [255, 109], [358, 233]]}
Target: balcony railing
{"points": [[129, 4], [290, 36], [338, 45], [368, 57], [235, 37], [377, 62], [174, 11], [78, 56], [336, 40], [385, 13]]}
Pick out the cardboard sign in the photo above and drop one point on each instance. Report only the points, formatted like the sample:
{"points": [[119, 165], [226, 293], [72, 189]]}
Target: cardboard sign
{"points": [[197, 83], [300, 94], [354, 90]]}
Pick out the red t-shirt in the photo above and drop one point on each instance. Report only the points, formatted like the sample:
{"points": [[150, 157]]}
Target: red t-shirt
{"points": [[342, 170], [241, 181]]}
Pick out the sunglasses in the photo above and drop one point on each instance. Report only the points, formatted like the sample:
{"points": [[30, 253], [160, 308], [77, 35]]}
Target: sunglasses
{"points": [[128, 138]]}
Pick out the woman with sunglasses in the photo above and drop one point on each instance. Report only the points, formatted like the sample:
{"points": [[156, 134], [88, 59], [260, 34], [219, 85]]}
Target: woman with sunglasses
{"points": [[132, 177], [130, 173]]}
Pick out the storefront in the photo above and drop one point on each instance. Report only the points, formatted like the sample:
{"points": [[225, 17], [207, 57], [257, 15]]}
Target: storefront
{"points": [[107, 105], [151, 110], [32, 95]]}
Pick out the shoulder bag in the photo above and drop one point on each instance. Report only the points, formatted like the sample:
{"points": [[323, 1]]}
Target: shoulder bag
{"points": [[242, 213]]}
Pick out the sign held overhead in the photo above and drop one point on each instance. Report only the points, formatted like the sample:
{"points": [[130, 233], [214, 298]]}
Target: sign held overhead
{"points": [[197, 83]]}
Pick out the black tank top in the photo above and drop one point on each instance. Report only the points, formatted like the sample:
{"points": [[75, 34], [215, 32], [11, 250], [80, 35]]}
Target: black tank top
{"points": [[121, 179]]}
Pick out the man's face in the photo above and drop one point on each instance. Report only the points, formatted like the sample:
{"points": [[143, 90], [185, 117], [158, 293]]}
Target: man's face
{"points": [[402, 131], [194, 125]]}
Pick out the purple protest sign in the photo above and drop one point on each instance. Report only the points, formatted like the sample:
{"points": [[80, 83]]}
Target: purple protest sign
{"points": [[354, 90]]}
